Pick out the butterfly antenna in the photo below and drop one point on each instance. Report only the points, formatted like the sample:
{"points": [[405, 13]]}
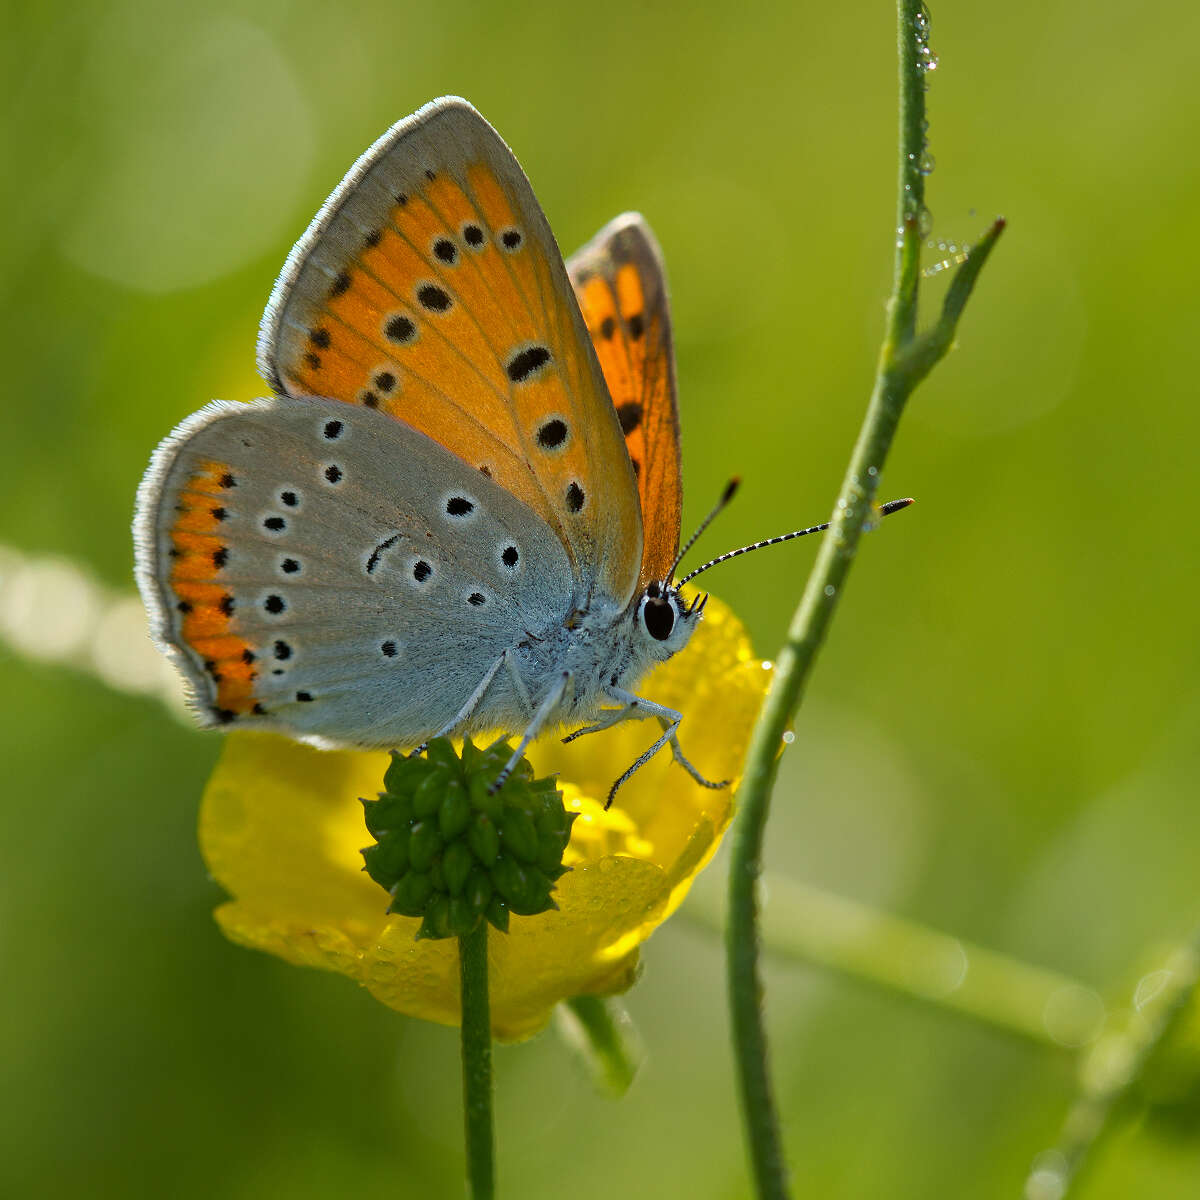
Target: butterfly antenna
{"points": [[884, 510], [730, 490]]}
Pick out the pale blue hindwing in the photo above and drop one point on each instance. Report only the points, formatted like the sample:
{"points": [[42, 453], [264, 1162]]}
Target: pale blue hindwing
{"points": [[404, 573]]}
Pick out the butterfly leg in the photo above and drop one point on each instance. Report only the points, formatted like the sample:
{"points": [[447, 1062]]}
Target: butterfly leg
{"points": [[471, 705], [608, 718], [535, 726], [637, 707]]}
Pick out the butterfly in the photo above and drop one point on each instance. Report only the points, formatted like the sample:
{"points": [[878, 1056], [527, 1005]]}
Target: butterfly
{"points": [[460, 509]]}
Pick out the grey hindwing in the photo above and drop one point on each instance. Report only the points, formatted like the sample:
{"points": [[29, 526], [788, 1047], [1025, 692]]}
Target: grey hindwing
{"points": [[391, 573]]}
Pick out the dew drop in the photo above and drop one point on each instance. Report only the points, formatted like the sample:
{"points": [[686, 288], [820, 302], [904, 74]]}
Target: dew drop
{"points": [[830, 590], [928, 162], [924, 222]]}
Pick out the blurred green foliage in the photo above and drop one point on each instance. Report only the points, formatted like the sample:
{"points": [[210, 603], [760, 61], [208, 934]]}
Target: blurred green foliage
{"points": [[999, 739]]}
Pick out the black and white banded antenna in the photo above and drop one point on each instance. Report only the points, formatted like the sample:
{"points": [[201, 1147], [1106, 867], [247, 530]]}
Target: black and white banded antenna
{"points": [[885, 510], [730, 490]]}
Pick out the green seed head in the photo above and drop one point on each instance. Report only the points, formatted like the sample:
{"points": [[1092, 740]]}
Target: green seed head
{"points": [[454, 854]]}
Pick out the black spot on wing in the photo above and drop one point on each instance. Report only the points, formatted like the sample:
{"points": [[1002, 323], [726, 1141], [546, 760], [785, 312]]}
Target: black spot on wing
{"points": [[400, 329], [433, 298], [526, 362], [552, 434], [630, 416]]}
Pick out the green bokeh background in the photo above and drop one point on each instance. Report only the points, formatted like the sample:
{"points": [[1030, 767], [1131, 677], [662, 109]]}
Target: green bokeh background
{"points": [[1000, 738]]}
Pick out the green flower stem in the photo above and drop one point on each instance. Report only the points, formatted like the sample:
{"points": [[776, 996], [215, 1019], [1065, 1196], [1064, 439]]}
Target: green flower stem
{"points": [[905, 358], [1115, 1065], [808, 924], [602, 1033], [477, 1063]]}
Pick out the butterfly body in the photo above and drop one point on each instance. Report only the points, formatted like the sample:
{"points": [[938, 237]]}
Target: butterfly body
{"points": [[460, 510]]}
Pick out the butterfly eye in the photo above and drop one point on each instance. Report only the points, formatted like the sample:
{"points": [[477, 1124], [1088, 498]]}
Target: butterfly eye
{"points": [[659, 618]]}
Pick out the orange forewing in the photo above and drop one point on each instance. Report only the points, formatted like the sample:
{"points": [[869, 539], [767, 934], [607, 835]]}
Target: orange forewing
{"points": [[621, 287], [431, 288]]}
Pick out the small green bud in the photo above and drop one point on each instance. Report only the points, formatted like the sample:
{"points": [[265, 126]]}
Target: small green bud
{"points": [[455, 811], [518, 835], [535, 897], [441, 754], [387, 813], [483, 839], [437, 918], [479, 791], [471, 756], [425, 845], [427, 798], [510, 878], [551, 817], [457, 864], [497, 913], [403, 774], [550, 853], [478, 891], [411, 894], [387, 860]]}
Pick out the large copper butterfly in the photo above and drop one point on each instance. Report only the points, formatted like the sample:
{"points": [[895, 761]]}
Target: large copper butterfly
{"points": [[460, 510]]}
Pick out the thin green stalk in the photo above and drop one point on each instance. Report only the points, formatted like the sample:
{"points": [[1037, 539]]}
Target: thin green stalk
{"points": [[808, 924], [477, 1063], [1115, 1066], [896, 376]]}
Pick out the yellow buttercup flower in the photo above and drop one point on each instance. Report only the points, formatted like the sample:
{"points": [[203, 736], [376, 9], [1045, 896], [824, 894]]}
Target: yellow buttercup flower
{"points": [[281, 827]]}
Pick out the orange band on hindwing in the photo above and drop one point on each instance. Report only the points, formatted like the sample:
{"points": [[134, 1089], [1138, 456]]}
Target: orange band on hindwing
{"points": [[204, 604]]}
